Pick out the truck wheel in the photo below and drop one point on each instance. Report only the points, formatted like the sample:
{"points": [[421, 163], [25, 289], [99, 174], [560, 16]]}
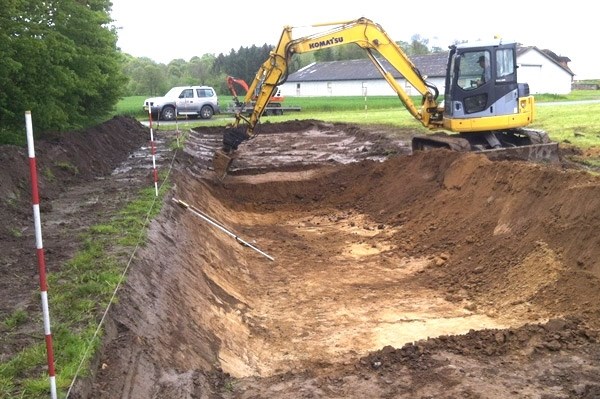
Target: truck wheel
{"points": [[168, 113], [206, 112]]}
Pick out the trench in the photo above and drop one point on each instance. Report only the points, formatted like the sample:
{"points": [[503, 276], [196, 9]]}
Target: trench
{"points": [[338, 288], [343, 282], [367, 255]]}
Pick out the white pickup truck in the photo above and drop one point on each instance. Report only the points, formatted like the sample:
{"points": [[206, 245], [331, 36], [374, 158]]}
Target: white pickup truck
{"points": [[191, 101]]}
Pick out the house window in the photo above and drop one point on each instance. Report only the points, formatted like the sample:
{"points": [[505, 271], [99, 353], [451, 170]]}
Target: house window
{"points": [[407, 87], [298, 89]]}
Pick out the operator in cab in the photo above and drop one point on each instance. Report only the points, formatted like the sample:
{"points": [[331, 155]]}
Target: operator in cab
{"points": [[485, 71]]}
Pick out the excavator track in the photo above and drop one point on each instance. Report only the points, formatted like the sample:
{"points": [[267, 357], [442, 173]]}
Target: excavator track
{"points": [[517, 144]]}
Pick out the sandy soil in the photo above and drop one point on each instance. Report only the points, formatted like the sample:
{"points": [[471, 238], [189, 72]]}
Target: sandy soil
{"points": [[433, 275]]}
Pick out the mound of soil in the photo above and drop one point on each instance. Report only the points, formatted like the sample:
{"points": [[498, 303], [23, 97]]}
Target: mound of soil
{"points": [[428, 275]]}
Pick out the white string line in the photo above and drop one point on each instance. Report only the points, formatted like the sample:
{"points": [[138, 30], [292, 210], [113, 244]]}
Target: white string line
{"points": [[120, 281]]}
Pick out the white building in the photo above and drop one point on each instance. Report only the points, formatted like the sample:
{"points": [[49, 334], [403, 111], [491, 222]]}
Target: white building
{"points": [[544, 71]]}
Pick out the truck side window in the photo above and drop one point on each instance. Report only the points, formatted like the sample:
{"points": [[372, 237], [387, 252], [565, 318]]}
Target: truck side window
{"points": [[205, 92]]}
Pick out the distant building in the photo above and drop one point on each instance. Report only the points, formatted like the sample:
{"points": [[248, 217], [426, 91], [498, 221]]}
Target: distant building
{"points": [[544, 71]]}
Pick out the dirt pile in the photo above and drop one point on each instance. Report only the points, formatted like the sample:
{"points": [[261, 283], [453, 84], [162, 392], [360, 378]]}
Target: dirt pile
{"points": [[410, 276], [64, 160]]}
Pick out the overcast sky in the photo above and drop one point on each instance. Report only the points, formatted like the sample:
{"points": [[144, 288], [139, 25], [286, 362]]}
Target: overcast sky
{"points": [[166, 30]]}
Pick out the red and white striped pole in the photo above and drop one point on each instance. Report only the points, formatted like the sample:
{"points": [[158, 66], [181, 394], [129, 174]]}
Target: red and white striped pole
{"points": [[177, 124], [153, 152], [40, 253]]}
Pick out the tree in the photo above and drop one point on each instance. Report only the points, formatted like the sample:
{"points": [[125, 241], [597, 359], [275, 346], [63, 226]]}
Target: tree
{"points": [[243, 63], [146, 77], [59, 60], [418, 45], [200, 69]]}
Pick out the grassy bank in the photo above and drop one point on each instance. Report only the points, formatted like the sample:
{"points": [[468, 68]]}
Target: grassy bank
{"points": [[81, 289]]}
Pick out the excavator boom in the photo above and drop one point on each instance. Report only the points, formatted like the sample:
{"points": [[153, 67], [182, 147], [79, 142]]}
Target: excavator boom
{"points": [[273, 72]]}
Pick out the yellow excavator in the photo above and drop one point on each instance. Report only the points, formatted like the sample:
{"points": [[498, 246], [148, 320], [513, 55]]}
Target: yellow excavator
{"points": [[485, 109]]}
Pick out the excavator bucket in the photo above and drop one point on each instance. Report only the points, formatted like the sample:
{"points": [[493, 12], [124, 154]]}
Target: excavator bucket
{"points": [[232, 138], [221, 163]]}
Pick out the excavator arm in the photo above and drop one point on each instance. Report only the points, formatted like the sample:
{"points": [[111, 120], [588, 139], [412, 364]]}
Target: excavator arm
{"points": [[231, 82], [362, 32]]}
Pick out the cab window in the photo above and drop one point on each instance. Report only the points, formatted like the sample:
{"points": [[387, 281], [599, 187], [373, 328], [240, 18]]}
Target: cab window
{"points": [[474, 69], [505, 65]]}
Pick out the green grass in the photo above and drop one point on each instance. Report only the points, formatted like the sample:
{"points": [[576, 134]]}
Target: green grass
{"points": [[78, 294], [131, 106], [577, 124], [14, 320], [575, 95], [69, 167]]}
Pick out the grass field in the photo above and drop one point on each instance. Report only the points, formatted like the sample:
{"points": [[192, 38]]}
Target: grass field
{"points": [[578, 124], [133, 105]]}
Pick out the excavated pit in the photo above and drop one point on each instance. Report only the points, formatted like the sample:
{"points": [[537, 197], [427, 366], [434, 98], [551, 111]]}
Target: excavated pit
{"points": [[489, 267]]}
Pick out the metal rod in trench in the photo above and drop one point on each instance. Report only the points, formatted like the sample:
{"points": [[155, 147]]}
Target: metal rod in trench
{"points": [[217, 225]]}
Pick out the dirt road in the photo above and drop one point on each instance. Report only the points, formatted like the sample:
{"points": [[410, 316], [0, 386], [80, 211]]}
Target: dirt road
{"points": [[433, 275]]}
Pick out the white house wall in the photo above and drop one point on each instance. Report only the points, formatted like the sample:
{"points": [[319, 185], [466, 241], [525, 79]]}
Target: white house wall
{"points": [[350, 88], [542, 75]]}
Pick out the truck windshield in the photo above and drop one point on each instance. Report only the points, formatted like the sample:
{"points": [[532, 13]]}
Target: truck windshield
{"points": [[173, 93]]}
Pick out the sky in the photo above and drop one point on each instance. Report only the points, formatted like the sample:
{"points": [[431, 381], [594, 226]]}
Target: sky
{"points": [[167, 30]]}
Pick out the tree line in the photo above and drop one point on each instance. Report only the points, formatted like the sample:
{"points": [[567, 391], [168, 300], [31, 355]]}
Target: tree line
{"points": [[60, 60], [147, 77]]}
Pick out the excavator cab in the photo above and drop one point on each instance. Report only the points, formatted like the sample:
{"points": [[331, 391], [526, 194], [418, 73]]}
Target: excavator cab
{"points": [[487, 108], [481, 84]]}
